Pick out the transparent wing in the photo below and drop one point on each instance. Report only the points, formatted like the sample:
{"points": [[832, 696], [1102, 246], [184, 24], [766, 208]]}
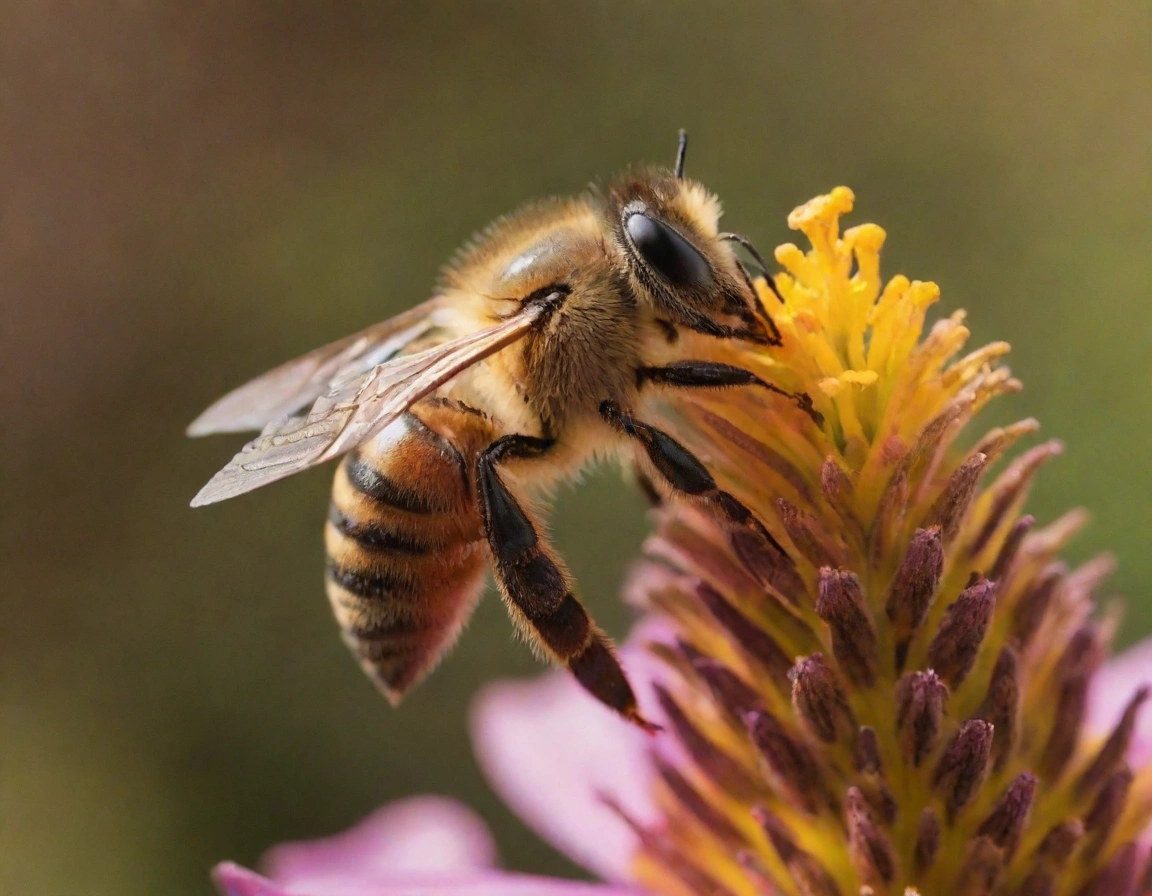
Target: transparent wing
{"points": [[294, 385], [354, 410]]}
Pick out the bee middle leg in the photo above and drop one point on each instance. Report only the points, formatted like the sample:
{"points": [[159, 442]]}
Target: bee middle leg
{"points": [[538, 590], [683, 472]]}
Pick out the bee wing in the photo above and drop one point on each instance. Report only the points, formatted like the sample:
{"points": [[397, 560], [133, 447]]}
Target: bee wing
{"points": [[294, 385], [356, 409]]}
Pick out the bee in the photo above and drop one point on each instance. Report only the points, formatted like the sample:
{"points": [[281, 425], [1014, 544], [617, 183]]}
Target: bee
{"points": [[546, 337]]}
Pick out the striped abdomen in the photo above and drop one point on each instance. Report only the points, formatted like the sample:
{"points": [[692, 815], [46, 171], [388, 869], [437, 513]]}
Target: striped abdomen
{"points": [[405, 551]]}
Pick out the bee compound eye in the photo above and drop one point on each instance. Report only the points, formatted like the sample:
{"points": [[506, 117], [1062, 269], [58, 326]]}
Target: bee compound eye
{"points": [[666, 252]]}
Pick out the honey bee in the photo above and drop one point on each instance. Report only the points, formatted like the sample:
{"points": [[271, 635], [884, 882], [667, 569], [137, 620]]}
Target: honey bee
{"points": [[534, 357]]}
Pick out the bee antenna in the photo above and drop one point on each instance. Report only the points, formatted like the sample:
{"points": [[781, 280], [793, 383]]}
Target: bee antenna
{"points": [[681, 149]]}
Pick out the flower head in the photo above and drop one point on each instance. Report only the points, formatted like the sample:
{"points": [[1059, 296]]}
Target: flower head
{"points": [[897, 697], [895, 692]]}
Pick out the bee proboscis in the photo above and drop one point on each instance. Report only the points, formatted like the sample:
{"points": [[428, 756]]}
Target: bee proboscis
{"points": [[536, 354]]}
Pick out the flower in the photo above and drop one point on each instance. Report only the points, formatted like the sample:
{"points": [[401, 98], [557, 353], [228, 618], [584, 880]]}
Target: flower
{"points": [[562, 762], [895, 698], [423, 846], [892, 688], [554, 754]]}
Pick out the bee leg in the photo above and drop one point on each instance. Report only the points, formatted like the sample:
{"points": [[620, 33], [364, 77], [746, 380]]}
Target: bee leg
{"points": [[753, 329], [763, 265], [776, 338], [683, 472], [714, 375], [537, 589], [648, 488], [760, 262]]}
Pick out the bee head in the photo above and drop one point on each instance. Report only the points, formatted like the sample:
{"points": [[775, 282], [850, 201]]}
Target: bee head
{"points": [[676, 259]]}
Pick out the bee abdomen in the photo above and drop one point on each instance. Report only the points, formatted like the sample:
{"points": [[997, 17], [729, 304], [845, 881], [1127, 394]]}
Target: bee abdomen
{"points": [[391, 585], [404, 565], [386, 491], [372, 536]]}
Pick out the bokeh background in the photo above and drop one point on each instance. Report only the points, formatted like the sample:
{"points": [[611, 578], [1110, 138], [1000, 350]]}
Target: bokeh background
{"points": [[192, 192]]}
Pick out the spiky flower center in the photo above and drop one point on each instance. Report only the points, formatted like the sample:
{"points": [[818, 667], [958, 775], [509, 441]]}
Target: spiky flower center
{"points": [[897, 703]]}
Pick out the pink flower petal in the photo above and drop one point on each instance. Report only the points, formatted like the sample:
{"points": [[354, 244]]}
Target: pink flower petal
{"points": [[232, 880], [420, 834], [553, 753], [1113, 687]]}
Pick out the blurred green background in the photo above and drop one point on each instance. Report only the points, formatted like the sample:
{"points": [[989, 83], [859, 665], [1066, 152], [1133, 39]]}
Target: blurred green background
{"points": [[191, 193]]}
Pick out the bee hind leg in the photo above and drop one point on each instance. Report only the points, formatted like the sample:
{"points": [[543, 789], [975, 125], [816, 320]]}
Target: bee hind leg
{"points": [[683, 472], [538, 590]]}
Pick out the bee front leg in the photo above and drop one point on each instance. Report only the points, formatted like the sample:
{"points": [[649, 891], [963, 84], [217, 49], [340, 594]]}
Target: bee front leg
{"points": [[683, 472], [714, 375], [537, 589]]}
